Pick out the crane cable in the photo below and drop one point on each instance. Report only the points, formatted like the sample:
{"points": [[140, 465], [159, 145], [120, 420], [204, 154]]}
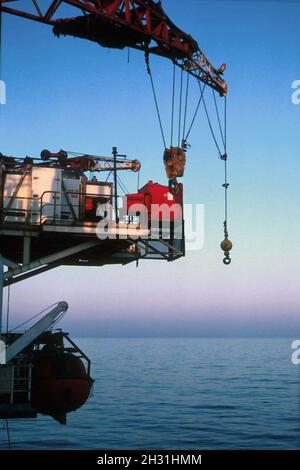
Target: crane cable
{"points": [[184, 143], [219, 120], [138, 179], [181, 140], [32, 318], [194, 117], [226, 244], [155, 98], [173, 103], [209, 122], [185, 107], [180, 107], [122, 185]]}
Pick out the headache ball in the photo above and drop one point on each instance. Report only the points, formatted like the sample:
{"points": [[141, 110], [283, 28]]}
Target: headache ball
{"points": [[226, 245]]}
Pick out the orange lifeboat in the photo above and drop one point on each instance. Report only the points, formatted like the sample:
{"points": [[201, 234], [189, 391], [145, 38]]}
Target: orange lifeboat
{"points": [[60, 384]]}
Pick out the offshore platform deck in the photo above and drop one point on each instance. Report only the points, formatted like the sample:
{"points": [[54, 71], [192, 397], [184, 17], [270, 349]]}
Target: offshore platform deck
{"points": [[55, 211]]}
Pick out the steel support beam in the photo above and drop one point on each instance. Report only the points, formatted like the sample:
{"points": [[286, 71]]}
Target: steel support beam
{"points": [[48, 260], [9, 263], [27, 275]]}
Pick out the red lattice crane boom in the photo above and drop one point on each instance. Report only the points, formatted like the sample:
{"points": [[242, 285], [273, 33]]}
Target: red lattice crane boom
{"points": [[140, 24]]}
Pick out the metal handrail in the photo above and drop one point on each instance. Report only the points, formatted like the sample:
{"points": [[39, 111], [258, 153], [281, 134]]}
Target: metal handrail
{"points": [[54, 204], [18, 384], [76, 193]]}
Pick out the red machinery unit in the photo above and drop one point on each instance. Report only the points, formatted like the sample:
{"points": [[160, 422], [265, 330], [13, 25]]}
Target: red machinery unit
{"points": [[153, 194]]}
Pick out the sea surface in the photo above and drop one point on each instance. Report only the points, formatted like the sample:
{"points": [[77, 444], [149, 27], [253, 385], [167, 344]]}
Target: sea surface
{"points": [[178, 394]]}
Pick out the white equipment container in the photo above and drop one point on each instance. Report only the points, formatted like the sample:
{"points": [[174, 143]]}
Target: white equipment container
{"points": [[98, 189], [19, 209], [46, 194], [51, 195], [71, 198]]}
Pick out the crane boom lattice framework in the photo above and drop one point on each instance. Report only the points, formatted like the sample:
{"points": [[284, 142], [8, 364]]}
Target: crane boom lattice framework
{"points": [[140, 24]]}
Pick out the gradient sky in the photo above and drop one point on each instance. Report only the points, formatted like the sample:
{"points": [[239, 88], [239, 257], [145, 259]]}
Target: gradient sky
{"points": [[68, 93]]}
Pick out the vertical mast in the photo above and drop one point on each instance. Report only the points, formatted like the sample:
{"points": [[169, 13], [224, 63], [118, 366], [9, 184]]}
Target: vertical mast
{"points": [[115, 153]]}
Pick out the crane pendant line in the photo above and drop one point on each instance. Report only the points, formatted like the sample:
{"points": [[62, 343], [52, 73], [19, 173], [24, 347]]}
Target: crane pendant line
{"points": [[155, 99]]}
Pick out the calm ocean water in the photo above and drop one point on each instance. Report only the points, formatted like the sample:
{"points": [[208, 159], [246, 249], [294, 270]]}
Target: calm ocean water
{"points": [[179, 394]]}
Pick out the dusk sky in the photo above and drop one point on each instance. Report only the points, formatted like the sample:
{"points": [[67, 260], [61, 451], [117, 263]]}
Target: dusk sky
{"points": [[73, 94]]}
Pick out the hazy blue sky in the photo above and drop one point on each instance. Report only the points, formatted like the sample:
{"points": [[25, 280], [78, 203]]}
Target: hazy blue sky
{"points": [[68, 93]]}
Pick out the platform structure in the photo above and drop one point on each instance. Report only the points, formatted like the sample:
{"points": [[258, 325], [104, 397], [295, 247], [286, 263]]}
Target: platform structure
{"points": [[54, 212], [31, 249], [49, 216]]}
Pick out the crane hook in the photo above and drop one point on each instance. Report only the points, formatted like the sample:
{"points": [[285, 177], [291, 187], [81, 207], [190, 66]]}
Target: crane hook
{"points": [[227, 259], [226, 246]]}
